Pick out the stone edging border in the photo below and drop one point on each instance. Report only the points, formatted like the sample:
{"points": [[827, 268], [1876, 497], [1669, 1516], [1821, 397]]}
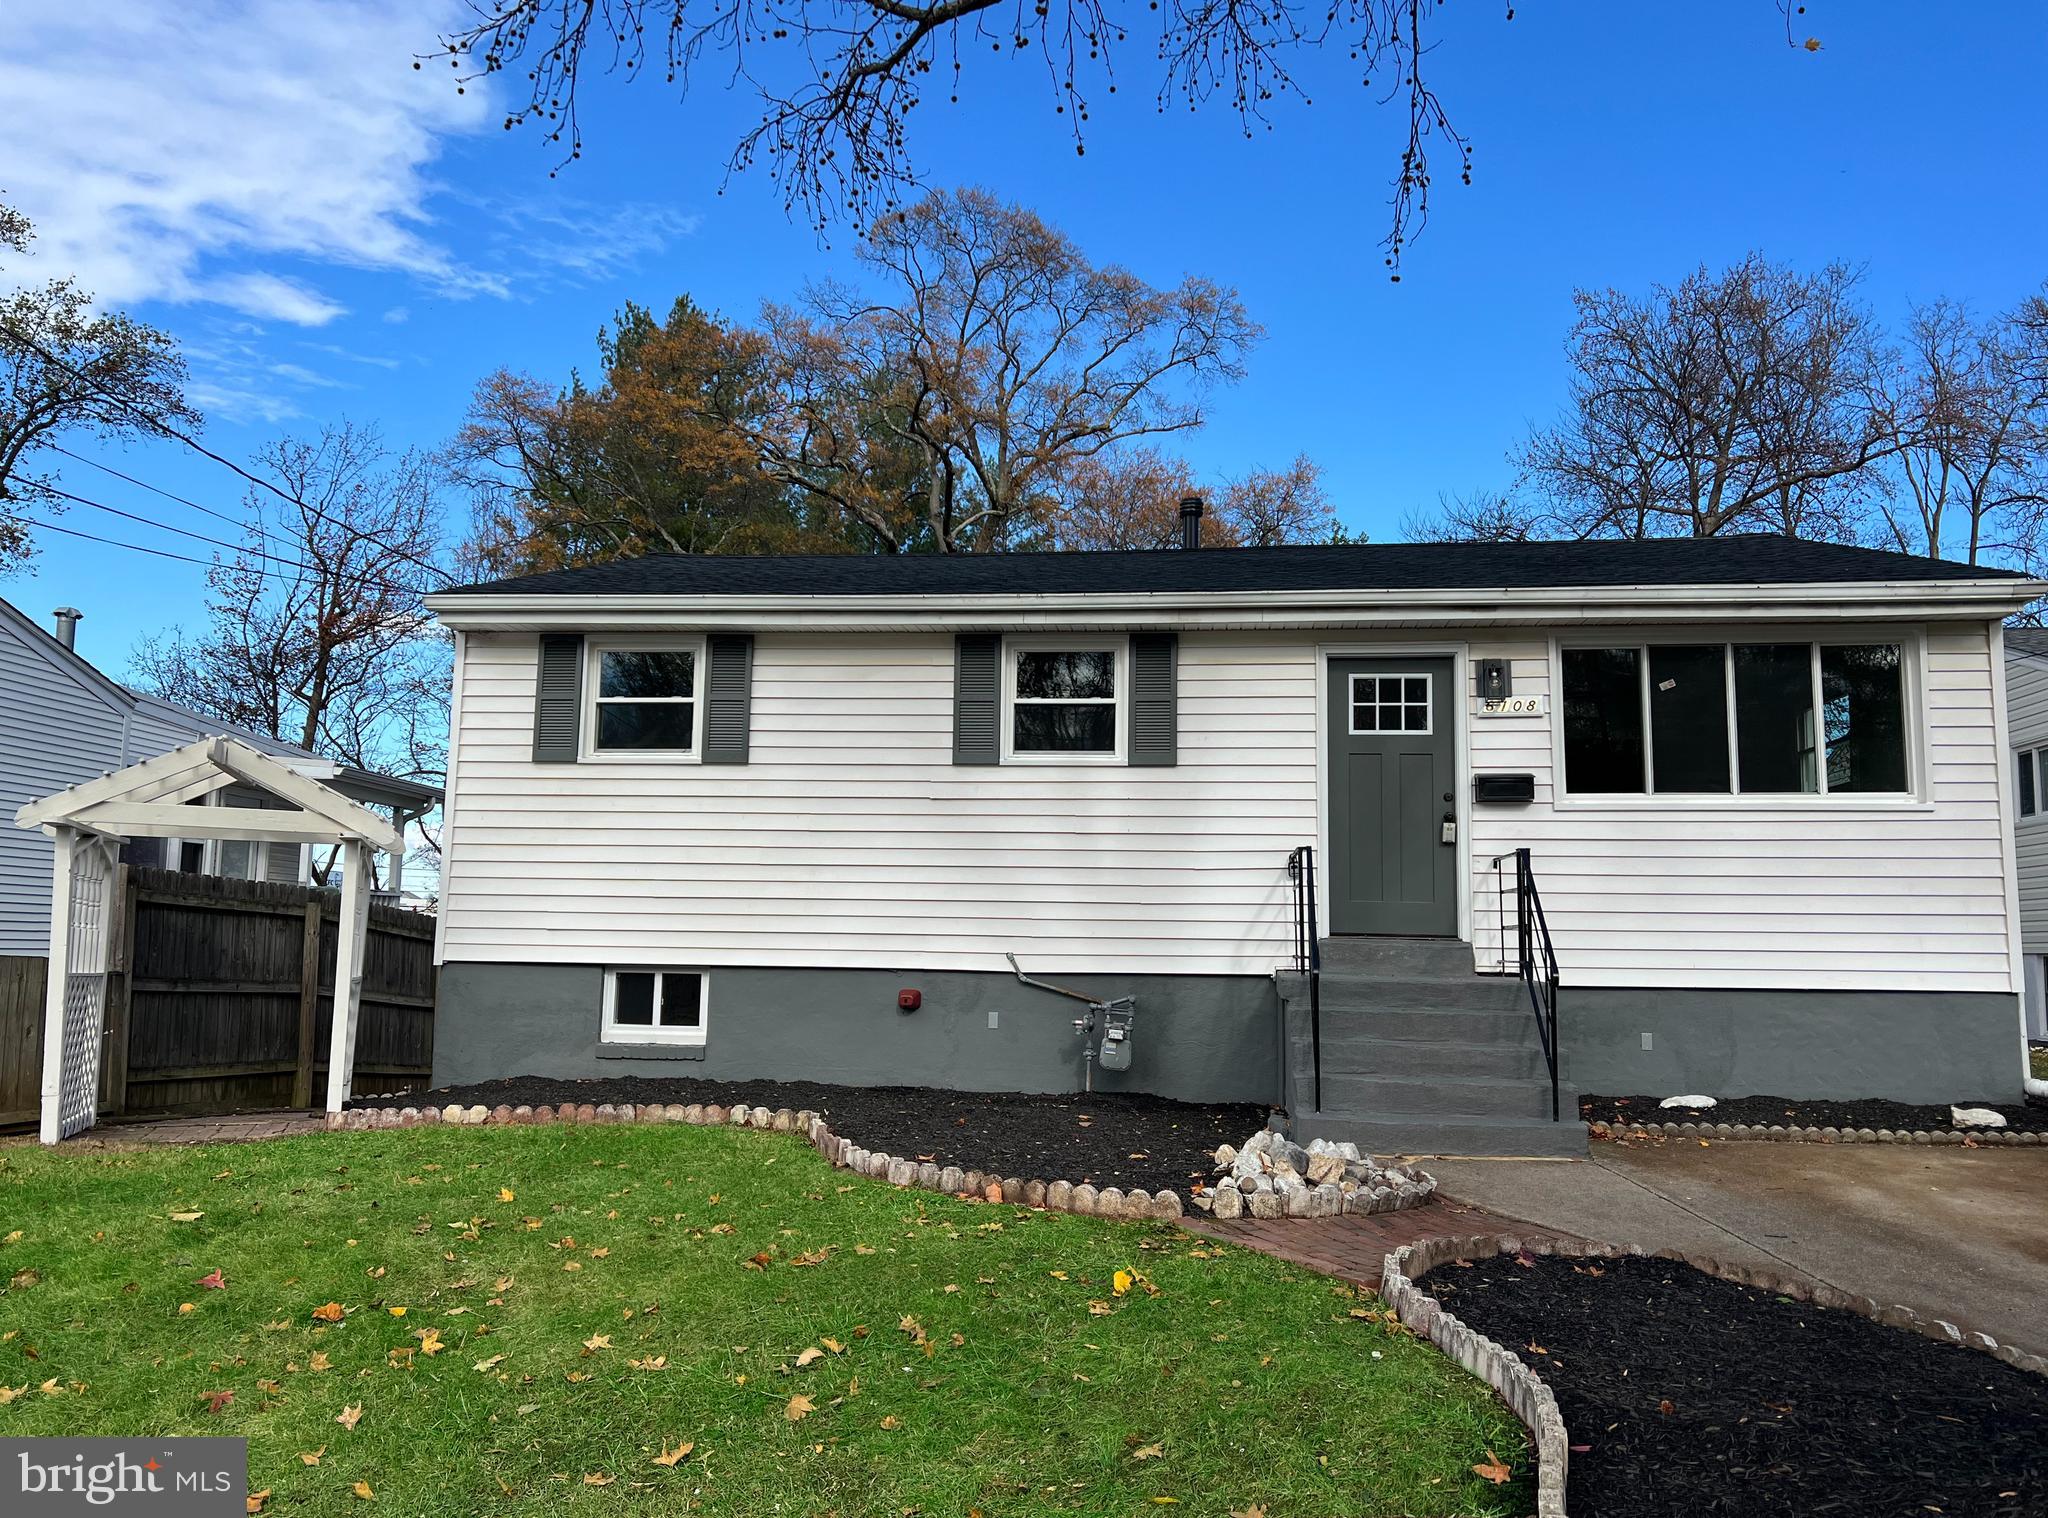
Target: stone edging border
{"points": [[1525, 1393], [1061, 1196], [1778, 1134], [1531, 1399]]}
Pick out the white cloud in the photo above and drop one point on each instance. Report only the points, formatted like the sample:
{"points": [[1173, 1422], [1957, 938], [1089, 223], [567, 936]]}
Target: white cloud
{"points": [[163, 149]]}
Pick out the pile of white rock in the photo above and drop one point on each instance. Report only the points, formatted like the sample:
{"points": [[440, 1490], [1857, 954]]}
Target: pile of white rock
{"points": [[1274, 1177]]}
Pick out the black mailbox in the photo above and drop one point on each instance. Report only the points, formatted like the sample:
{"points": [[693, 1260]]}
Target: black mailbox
{"points": [[1503, 790]]}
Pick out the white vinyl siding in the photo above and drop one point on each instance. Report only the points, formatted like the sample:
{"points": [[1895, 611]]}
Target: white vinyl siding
{"points": [[851, 839], [1814, 892], [2026, 705]]}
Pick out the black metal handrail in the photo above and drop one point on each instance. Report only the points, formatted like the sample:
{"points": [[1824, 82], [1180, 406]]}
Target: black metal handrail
{"points": [[1308, 954], [1536, 961]]}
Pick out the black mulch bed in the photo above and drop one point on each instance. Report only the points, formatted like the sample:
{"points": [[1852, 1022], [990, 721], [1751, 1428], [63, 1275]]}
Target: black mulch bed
{"points": [[1900, 1117], [1685, 1395], [1105, 1139]]}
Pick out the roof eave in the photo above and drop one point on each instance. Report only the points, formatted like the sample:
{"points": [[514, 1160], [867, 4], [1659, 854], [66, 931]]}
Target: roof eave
{"points": [[1558, 605]]}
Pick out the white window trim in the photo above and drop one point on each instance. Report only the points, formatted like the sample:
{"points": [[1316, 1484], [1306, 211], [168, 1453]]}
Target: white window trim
{"points": [[1912, 665], [1351, 704], [594, 650], [611, 1032], [1119, 650]]}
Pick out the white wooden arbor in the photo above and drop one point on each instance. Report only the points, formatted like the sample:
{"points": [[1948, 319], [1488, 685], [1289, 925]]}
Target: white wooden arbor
{"points": [[90, 821]]}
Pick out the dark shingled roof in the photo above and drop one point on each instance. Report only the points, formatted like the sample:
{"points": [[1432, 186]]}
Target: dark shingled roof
{"points": [[1736, 560]]}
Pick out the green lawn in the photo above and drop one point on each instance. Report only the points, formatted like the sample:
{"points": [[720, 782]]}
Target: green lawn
{"points": [[2037, 1057], [954, 1358]]}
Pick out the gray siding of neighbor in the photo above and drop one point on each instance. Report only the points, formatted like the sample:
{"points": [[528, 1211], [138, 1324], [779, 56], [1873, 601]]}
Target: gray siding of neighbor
{"points": [[1198, 1038], [1907, 1046], [55, 730]]}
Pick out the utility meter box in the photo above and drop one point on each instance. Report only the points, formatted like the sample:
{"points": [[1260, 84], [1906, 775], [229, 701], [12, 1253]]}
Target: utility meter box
{"points": [[1117, 1017]]}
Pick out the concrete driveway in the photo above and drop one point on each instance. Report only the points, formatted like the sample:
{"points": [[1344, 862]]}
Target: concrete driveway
{"points": [[1960, 1234]]}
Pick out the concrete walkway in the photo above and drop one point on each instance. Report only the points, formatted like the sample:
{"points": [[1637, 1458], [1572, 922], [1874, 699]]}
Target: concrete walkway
{"points": [[1960, 1234]]}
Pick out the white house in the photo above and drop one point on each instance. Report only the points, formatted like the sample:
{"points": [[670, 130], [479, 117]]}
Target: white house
{"points": [[2026, 693], [62, 721], [718, 815]]}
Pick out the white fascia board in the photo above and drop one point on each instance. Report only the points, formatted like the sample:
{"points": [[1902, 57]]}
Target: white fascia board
{"points": [[1551, 606]]}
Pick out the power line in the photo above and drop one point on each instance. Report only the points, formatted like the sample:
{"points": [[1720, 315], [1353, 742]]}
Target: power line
{"points": [[154, 424], [144, 484], [183, 558]]}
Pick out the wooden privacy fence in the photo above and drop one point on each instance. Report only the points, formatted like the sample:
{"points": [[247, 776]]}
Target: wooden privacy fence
{"points": [[220, 998]]}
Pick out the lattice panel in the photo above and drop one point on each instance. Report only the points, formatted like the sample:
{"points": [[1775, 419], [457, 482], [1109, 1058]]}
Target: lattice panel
{"points": [[85, 990]]}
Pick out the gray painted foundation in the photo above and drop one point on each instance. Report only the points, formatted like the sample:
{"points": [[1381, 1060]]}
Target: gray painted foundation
{"points": [[1197, 1038], [1907, 1046]]}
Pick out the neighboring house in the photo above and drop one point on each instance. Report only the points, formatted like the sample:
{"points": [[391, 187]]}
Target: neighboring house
{"points": [[64, 721], [711, 815], [2026, 694]]}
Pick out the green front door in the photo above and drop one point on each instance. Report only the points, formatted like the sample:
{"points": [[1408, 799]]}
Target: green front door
{"points": [[1393, 843]]}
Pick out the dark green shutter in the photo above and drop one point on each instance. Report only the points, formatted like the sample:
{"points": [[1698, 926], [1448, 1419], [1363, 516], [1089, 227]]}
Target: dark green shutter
{"points": [[1155, 717], [728, 697], [976, 700], [558, 699]]}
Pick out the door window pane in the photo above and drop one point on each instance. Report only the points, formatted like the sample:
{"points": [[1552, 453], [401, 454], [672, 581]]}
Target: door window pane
{"points": [[2024, 762], [1603, 721], [1390, 703], [1689, 718], [1864, 705], [1774, 718]]}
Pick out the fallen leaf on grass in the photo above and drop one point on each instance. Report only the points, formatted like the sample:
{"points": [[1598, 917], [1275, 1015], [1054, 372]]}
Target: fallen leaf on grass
{"points": [[186, 1217], [213, 1280], [362, 1490], [671, 1457], [1121, 1282], [759, 1261], [253, 1503], [9, 1393], [652, 1362], [487, 1364], [1494, 1469], [1255, 1510], [808, 1355], [798, 1406], [505, 1194], [311, 1456], [596, 1342], [892, 1421], [350, 1416], [834, 1345], [1149, 1452], [430, 1341], [216, 1400], [185, 1307], [319, 1361], [397, 1312], [1100, 1309], [328, 1312], [598, 1478]]}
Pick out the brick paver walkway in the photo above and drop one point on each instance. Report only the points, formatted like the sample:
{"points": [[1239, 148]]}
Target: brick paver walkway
{"points": [[1352, 1247], [236, 1128]]}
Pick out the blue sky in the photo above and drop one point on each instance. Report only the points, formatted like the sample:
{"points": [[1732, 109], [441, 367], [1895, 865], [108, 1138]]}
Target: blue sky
{"points": [[331, 233]]}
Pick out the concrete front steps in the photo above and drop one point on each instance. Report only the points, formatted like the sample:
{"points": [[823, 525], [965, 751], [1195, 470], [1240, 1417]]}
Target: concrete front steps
{"points": [[1422, 1056]]}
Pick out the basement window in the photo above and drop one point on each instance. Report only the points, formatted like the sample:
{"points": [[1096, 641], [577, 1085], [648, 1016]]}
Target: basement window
{"points": [[655, 1006]]}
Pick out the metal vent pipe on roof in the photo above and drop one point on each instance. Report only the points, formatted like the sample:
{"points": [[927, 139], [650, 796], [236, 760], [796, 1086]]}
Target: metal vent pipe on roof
{"points": [[1191, 521], [67, 625]]}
